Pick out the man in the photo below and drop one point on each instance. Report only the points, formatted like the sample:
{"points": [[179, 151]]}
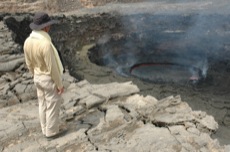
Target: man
{"points": [[44, 63]]}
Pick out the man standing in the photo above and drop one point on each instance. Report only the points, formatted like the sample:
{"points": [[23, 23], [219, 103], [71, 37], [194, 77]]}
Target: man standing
{"points": [[44, 63]]}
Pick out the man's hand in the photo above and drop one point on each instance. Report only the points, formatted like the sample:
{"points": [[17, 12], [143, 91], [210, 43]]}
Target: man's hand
{"points": [[61, 90]]}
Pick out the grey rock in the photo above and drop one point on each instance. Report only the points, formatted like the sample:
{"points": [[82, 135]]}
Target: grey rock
{"points": [[13, 99], [115, 89], [114, 116], [69, 97], [70, 104], [6, 88], [11, 65], [13, 130], [1, 148], [188, 147], [208, 122], [136, 101], [92, 101], [172, 118], [10, 76], [30, 88], [83, 83], [71, 112], [150, 138], [226, 148], [25, 97], [3, 103], [20, 88], [194, 130]]}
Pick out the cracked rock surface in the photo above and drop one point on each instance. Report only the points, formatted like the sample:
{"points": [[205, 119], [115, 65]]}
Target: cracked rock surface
{"points": [[121, 122]]}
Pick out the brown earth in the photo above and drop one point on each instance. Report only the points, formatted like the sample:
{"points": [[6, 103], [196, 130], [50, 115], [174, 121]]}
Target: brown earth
{"points": [[53, 6]]}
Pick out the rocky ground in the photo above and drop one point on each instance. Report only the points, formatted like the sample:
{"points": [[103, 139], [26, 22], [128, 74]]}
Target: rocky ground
{"points": [[100, 117]]}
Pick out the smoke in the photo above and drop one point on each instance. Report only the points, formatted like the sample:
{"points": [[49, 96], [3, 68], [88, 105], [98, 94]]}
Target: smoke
{"points": [[120, 63], [104, 39], [187, 38]]}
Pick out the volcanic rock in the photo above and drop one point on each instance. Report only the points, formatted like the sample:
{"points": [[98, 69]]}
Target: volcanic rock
{"points": [[100, 117]]}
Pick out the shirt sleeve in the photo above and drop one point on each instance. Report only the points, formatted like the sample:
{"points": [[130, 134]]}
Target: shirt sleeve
{"points": [[27, 59], [52, 66]]}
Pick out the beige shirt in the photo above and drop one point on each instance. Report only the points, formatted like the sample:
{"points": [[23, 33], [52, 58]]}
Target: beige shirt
{"points": [[40, 59]]}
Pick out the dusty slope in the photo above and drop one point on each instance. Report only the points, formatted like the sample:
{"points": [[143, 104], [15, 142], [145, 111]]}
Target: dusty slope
{"points": [[53, 6]]}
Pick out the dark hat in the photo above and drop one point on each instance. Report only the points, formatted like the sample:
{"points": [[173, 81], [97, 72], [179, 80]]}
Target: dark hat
{"points": [[41, 20]]}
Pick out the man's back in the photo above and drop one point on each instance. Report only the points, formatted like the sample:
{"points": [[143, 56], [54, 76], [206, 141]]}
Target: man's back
{"points": [[36, 51]]}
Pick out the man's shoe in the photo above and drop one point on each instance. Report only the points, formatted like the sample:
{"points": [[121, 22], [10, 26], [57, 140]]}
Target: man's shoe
{"points": [[61, 133]]}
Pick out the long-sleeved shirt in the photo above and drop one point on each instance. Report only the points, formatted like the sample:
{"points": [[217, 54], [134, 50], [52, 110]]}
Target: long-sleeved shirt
{"points": [[40, 59]]}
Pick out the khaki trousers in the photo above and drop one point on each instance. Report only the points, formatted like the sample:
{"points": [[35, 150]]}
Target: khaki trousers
{"points": [[49, 104]]}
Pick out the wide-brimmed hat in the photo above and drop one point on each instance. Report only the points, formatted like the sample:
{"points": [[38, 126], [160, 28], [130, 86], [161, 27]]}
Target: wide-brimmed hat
{"points": [[41, 20]]}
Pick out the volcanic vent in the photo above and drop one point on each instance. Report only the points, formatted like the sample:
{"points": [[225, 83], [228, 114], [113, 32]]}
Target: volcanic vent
{"points": [[152, 50]]}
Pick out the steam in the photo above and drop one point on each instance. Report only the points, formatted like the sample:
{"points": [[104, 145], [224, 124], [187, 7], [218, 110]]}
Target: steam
{"points": [[204, 68], [104, 39], [186, 39]]}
